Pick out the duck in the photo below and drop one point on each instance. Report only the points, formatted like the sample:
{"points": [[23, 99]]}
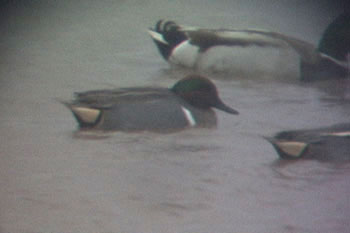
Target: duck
{"points": [[331, 143], [186, 46], [188, 103]]}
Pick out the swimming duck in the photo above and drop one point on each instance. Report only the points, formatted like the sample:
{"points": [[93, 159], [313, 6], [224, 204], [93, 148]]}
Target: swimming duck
{"points": [[187, 104], [185, 46], [328, 143]]}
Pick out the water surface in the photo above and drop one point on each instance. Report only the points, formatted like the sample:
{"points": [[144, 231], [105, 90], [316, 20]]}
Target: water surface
{"points": [[200, 180]]}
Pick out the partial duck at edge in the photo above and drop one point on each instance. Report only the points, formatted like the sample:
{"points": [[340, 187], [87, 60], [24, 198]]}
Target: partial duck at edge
{"points": [[330, 143]]}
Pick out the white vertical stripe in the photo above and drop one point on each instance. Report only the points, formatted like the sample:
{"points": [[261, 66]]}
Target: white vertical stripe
{"points": [[189, 116]]}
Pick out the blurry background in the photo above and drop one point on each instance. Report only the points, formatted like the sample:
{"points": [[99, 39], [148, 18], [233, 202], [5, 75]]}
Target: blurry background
{"points": [[223, 180]]}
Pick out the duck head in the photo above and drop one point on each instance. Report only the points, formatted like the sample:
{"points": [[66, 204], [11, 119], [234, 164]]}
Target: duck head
{"points": [[167, 35], [200, 92]]}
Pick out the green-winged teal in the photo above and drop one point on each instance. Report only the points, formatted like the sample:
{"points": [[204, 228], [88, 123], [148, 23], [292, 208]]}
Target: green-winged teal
{"points": [[187, 104], [329, 143], [185, 46]]}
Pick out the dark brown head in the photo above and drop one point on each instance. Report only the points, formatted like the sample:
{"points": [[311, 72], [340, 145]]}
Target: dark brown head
{"points": [[200, 92]]}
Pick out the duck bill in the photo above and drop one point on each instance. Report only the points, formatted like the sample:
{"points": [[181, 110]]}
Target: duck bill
{"points": [[157, 37], [223, 107]]}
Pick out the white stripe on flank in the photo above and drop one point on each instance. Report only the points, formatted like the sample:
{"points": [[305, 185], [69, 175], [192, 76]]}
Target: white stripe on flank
{"points": [[341, 63], [339, 134], [189, 116]]}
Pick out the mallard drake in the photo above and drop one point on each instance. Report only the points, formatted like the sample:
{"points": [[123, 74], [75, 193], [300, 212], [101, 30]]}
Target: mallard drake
{"points": [[185, 46]]}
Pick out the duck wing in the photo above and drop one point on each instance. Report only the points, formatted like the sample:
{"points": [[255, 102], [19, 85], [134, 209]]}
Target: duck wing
{"points": [[206, 38], [315, 135], [108, 97]]}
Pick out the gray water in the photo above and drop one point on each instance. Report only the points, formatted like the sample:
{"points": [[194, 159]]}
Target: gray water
{"points": [[229, 179]]}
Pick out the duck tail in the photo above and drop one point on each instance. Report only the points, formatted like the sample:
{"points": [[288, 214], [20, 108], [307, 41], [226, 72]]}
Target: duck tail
{"points": [[85, 116], [288, 149]]}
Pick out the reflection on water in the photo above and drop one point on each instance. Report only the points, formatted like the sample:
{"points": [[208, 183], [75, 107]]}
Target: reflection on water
{"points": [[55, 179]]}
